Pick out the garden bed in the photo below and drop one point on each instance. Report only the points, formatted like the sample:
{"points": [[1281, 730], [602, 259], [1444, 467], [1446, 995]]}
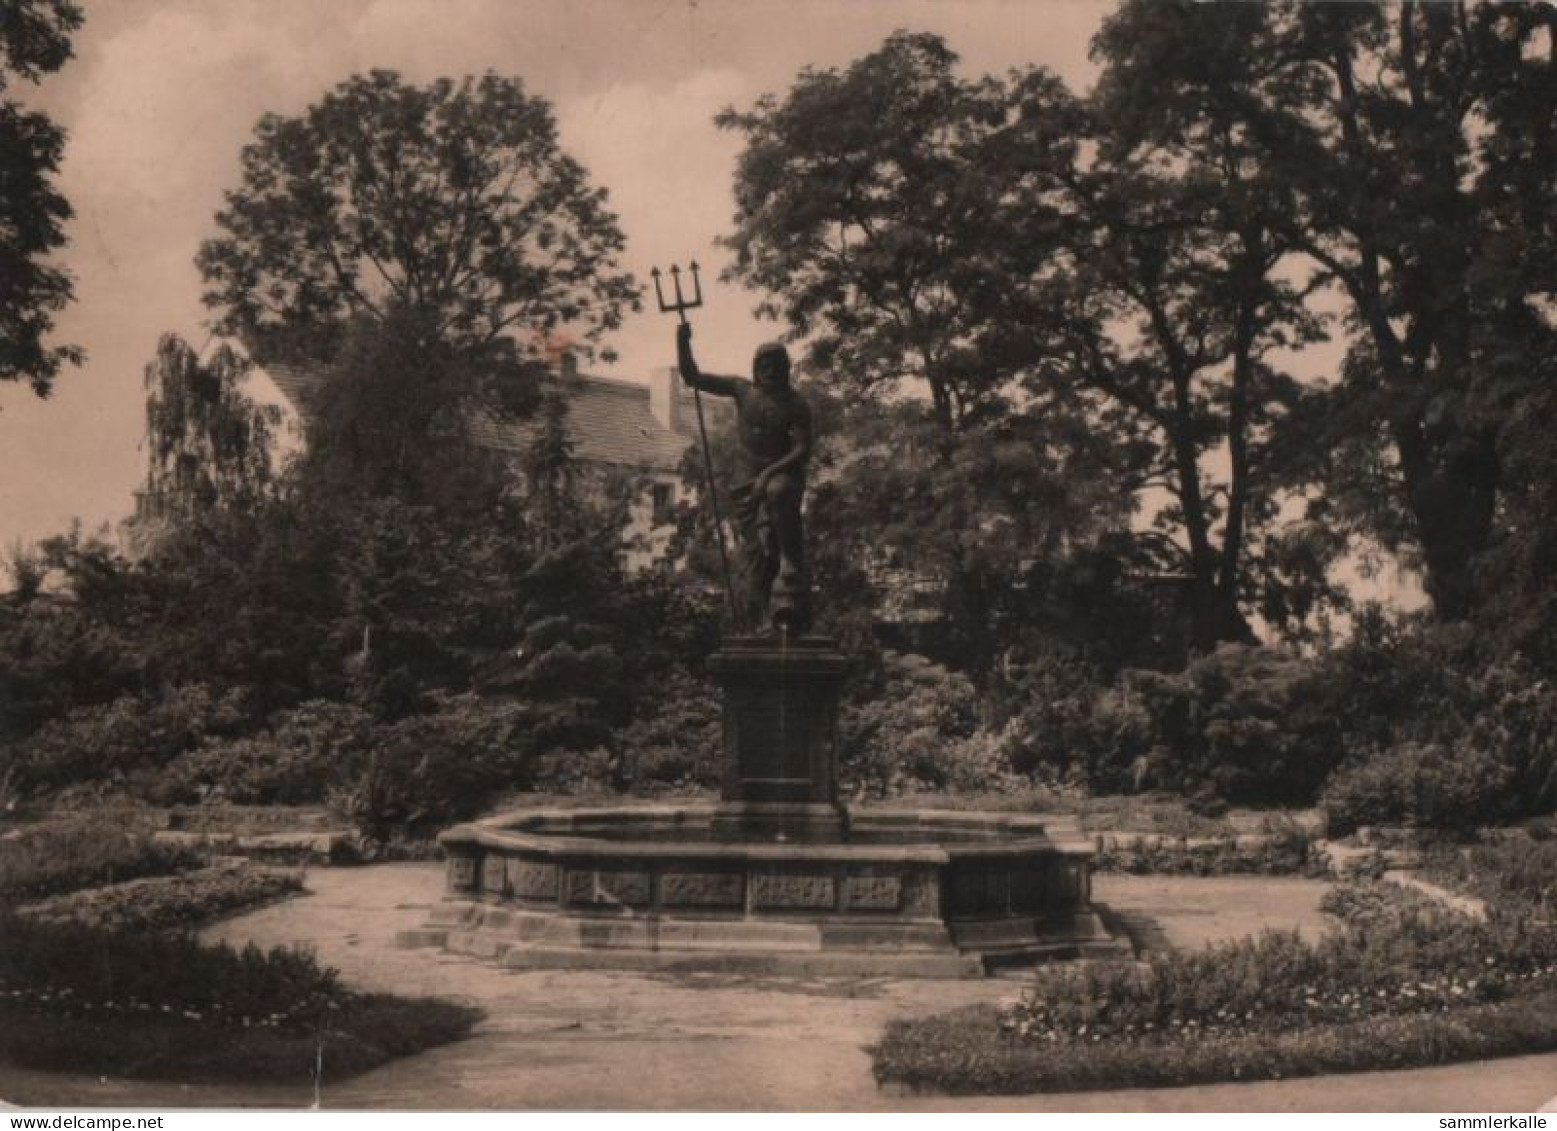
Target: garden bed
{"points": [[163, 902], [99, 975], [80, 851], [130, 1003], [966, 1053], [1515, 873], [1401, 984]]}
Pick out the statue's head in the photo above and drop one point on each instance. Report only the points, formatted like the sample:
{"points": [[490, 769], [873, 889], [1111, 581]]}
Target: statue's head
{"points": [[770, 366]]}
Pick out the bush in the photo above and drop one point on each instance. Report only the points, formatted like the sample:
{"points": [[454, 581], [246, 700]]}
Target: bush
{"points": [[677, 741], [1459, 738], [1288, 853], [119, 743], [1520, 724], [63, 856], [1063, 725], [132, 971], [1377, 904], [917, 729], [1518, 874], [966, 1053], [304, 752], [426, 771], [1420, 784], [1232, 726]]}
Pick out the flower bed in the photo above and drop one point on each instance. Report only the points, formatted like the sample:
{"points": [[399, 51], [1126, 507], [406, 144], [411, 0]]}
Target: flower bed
{"points": [[1377, 904], [129, 1002], [1269, 1006], [964, 1053], [170, 901]]}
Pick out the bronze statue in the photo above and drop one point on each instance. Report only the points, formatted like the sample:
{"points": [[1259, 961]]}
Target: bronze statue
{"points": [[775, 434]]}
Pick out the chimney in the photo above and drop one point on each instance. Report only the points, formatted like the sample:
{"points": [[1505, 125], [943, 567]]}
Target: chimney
{"points": [[665, 397]]}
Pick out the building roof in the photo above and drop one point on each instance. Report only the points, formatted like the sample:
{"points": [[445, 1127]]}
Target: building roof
{"points": [[610, 421]]}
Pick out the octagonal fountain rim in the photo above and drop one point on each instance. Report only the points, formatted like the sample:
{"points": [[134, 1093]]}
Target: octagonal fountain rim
{"points": [[922, 835]]}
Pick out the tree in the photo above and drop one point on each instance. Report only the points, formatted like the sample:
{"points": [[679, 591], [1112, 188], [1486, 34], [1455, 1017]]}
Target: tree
{"points": [[1168, 304], [208, 445], [861, 211], [1110, 302], [34, 41], [863, 201], [452, 200], [1393, 128], [397, 412], [1025, 512]]}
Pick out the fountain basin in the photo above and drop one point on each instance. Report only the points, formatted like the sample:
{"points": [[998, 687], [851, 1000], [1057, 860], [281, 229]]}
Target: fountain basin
{"points": [[900, 892]]}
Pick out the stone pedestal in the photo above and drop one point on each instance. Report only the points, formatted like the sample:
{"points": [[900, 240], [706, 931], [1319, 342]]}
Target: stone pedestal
{"points": [[780, 739]]}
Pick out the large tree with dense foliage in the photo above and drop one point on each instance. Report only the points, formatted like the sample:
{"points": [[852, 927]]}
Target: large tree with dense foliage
{"points": [[1164, 303], [34, 41], [862, 216], [453, 200], [1414, 142], [993, 247], [862, 204]]}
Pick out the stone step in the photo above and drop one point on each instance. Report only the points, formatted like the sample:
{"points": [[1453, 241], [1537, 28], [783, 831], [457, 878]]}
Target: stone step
{"points": [[333, 846], [640, 933], [795, 964]]}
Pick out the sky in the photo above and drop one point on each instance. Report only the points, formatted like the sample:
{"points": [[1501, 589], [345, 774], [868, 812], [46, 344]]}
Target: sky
{"points": [[163, 94]]}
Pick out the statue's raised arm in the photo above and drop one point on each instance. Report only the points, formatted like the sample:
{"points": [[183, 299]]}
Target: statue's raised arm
{"points": [[696, 378]]}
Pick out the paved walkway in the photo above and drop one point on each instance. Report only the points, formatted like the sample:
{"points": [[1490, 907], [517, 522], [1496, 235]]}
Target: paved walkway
{"points": [[598, 1040]]}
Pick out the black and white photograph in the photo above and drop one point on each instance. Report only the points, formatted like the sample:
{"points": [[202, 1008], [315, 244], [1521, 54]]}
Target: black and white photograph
{"points": [[689, 556]]}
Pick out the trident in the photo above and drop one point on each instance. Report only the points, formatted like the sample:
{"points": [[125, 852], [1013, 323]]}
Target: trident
{"points": [[680, 306]]}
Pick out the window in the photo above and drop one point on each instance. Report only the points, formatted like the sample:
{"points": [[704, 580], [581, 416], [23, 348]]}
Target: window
{"points": [[662, 496]]}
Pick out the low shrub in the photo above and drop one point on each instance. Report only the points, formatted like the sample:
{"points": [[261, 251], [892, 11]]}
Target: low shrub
{"points": [[966, 1053], [1420, 784], [426, 771], [1377, 905], [1517, 874], [86, 970], [917, 729], [1161, 814], [677, 740], [1288, 853], [1427, 963], [300, 755], [118, 743], [165, 902], [80, 852]]}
